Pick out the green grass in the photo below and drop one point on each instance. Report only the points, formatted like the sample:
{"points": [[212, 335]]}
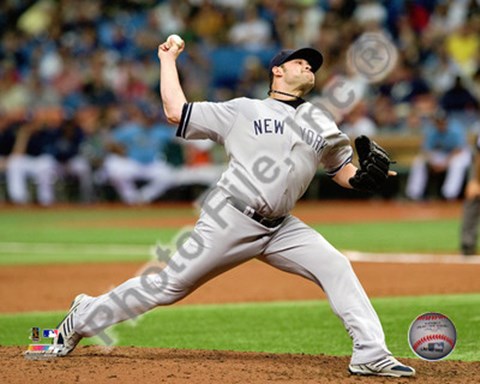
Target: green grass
{"points": [[53, 234], [25, 235], [47, 253], [429, 236], [71, 235], [24, 258], [79, 226], [282, 327]]}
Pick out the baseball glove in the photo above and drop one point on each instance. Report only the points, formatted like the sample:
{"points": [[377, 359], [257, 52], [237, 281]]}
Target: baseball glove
{"points": [[374, 165]]}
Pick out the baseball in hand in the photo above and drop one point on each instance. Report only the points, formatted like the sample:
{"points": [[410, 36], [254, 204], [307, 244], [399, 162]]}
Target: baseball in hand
{"points": [[175, 40]]}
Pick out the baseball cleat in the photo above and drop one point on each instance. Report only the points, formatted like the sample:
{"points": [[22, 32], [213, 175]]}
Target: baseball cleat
{"points": [[67, 339], [387, 366]]}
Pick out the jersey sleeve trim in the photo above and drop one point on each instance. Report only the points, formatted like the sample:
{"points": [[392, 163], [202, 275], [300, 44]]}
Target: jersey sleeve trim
{"points": [[336, 170], [184, 120]]}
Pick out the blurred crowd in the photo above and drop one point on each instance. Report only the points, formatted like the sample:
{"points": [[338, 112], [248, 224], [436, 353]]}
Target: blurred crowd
{"points": [[79, 80]]}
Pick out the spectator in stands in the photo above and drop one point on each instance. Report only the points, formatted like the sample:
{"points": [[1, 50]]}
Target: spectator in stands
{"points": [[439, 70], [444, 150], [458, 13], [96, 90], [69, 80], [357, 122], [128, 83], [14, 47], [14, 92], [97, 125], [418, 13], [400, 92], [440, 21], [474, 85], [458, 98], [408, 39], [41, 94], [137, 156], [404, 84], [254, 83], [7, 140], [370, 13], [199, 167], [68, 160], [170, 17], [32, 158], [463, 46], [460, 102], [251, 32], [341, 10], [384, 114], [208, 22]]}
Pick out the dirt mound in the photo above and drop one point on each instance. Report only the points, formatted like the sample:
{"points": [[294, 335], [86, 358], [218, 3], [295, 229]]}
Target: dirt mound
{"points": [[97, 365]]}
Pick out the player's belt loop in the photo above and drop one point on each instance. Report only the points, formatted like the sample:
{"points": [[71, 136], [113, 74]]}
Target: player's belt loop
{"points": [[250, 212]]}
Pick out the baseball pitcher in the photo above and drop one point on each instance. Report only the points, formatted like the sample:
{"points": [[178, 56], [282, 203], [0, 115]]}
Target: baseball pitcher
{"points": [[275, 147]]}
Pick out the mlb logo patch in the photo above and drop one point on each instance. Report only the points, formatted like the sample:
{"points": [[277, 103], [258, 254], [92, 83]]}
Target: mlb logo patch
{"points": [[50, 333]]}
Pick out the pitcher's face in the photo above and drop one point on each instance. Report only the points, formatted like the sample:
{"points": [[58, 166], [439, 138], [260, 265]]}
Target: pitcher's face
{"points": [[298, 74]]}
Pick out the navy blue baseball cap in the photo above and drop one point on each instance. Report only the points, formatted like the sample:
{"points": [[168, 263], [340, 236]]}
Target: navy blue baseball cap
{"points": [[312, 56]]}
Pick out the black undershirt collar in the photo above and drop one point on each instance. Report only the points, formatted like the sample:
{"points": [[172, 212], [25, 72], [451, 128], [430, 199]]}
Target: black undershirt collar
{"points": [[293, 103]]}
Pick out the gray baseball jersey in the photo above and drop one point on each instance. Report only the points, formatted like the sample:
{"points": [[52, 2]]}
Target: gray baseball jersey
{"points": [[274, 151], [274, 148]]}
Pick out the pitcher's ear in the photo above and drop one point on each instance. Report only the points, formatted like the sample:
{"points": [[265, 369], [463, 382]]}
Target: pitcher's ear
{"points": [[277, 71]]}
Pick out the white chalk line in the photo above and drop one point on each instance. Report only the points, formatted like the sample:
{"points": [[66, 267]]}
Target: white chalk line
{"points": [[129, 249], [410, 258], [85, 249]]}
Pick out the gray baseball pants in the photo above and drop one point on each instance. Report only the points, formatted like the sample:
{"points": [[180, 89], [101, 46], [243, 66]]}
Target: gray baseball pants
{"points": [[218, 244]]}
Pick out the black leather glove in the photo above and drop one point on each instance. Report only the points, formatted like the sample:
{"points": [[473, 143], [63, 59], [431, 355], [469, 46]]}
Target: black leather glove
{"points": [[374, 165]]}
